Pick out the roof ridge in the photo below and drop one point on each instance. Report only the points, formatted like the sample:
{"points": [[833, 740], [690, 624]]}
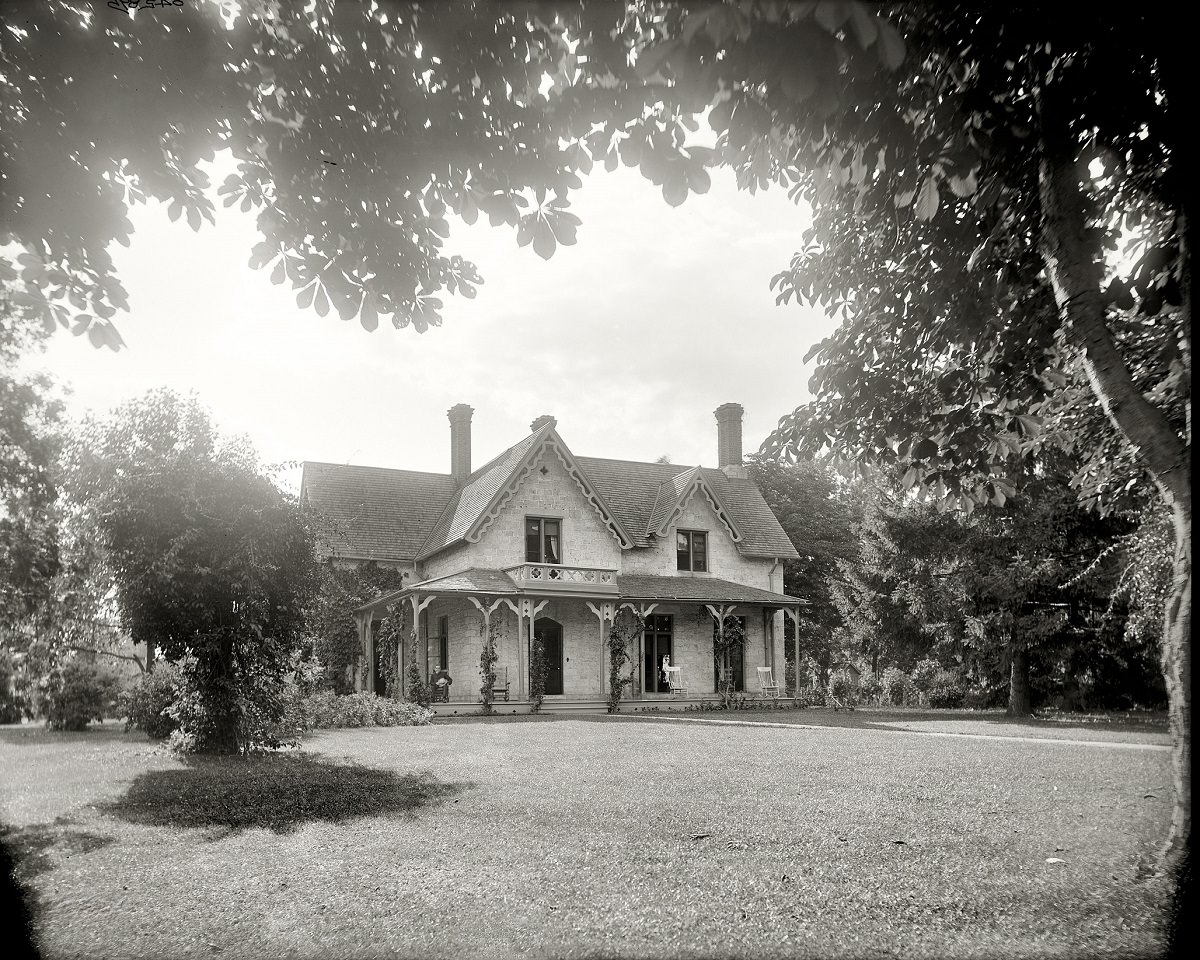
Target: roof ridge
{"points": [[363, 466]]}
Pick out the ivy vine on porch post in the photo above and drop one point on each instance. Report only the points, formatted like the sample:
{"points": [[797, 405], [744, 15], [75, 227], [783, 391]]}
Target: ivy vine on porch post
{"points": [[537, 674], [387, 647], [625, 629]]}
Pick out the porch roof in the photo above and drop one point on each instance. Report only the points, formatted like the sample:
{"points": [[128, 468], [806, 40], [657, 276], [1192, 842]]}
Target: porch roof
{"points": [[630, 586], [636, 586]]}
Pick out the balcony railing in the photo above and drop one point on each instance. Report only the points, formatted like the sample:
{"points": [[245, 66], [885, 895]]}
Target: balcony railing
{"points": [[562, 578]]}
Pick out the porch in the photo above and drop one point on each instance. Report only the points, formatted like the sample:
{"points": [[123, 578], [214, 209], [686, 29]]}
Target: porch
{"points": [[447, 623]]}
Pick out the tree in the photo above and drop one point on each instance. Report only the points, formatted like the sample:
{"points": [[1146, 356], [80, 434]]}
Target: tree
{"points": [[330, 619], [1017, 597], [817, 512], [213, 565]]}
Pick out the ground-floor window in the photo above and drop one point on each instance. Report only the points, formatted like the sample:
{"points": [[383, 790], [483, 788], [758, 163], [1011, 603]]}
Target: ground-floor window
{"points": [[443, 644], [737, 658], [657, 645]]}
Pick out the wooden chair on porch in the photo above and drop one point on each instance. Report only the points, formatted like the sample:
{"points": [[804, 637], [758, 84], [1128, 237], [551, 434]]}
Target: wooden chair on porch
{"points": [[767, 687], [675, 681], [501, 685]]}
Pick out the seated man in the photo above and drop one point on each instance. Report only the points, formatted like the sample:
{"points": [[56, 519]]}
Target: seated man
{"points": [[441, 685]]}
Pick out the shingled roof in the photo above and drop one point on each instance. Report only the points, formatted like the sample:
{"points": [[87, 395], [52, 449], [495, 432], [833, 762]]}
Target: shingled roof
{"points": [[374, 513], [381, 514]]}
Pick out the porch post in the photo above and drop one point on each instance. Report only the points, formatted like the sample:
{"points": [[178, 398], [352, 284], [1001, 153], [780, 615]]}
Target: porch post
{"points": [[364, 679], [794, 616], [603, 612], [418, 604], [530, 609], [487, 612]]}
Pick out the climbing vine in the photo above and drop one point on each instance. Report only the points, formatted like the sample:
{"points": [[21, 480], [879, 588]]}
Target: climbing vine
{"points": [[627, 626], [418, 690], [537, 674], [488, 629], [727, 638], [387, 644]]}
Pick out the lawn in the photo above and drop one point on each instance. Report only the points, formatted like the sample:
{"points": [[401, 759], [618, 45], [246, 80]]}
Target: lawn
{"points": [[599, 837]]}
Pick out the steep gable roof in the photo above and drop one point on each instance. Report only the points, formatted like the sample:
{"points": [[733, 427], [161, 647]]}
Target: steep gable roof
{"points": [[487, 490], [633, 490], [675, 494], [375, 513]]}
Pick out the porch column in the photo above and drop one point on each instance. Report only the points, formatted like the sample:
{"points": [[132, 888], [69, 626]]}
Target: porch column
{"points": [[719, 613], [486, 611], [794, 616], [530, 609], [637, 670], [418, 604], [604, 612], [364, 679]]}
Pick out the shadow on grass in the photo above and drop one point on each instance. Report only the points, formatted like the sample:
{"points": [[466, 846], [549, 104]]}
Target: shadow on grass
{"points": [[31, 846], [280, 793]]}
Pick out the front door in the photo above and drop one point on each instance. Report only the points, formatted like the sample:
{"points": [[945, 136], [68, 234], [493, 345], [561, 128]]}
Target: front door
{"points": [[550, 633], [656, 644]]}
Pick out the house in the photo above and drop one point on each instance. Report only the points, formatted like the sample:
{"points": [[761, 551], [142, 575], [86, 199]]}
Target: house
{"points": [[541, 542]]}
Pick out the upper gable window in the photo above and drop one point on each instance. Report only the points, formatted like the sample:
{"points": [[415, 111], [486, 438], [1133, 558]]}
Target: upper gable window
{"points": [[543, 541], [691, 549]]}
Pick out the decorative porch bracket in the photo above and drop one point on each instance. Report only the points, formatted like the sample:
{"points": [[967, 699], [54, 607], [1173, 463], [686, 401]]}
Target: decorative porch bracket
{"points": [[604, 612], [419, 604], [643, 610]]}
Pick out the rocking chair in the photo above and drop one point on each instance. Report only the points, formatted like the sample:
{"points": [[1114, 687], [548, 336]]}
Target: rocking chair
{"points": [[675, 681], [767, 687]]}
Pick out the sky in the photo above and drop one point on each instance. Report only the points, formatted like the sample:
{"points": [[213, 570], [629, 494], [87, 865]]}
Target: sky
{"points": [[631, 338]]}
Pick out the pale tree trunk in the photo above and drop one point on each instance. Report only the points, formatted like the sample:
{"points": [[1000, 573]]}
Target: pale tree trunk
{"points": [[1075, 268]]}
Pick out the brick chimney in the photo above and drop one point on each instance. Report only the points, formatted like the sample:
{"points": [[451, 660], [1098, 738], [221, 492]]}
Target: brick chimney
{"points": [[460, 441], [729, 439], [541, 421]]}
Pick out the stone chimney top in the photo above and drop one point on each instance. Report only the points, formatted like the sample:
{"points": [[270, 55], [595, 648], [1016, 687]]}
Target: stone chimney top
{"points": [[541, 421], [460, 441]]}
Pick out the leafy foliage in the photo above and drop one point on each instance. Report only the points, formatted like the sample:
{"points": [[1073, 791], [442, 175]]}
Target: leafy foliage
{"points": [[626, 627], [212, 564], [329, 619], [147, 702], [537, 674], [418, 690], [76, 692], [729, 637], [326, 709]]}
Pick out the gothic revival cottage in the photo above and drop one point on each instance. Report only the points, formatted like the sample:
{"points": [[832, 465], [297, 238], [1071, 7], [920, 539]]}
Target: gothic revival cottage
{"points": [[541, 542]]}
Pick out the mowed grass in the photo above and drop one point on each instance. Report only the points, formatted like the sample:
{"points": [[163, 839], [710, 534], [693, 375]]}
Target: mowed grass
{"points": [[592, 838]]}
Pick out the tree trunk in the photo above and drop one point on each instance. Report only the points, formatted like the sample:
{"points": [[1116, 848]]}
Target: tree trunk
{"points": [[1018, 684], [1074, 264]]}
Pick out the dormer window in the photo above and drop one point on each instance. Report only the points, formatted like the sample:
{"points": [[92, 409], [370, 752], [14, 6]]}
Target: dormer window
{"points": [[691, 549], [543, 542]]}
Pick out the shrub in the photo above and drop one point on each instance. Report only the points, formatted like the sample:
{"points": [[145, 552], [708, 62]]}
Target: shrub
{"points": [[11, 702], [326, 709], [76, 692], [810, 697], [897, 687], [923, 675], [871, 688], [946, 690], [841, 687], [145, 704]]}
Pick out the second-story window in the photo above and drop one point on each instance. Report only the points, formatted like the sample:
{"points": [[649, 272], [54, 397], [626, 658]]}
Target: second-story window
{"points": [[691, 548], [543, 542]]}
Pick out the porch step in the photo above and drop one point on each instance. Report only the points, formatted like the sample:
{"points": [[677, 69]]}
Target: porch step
{"points": [[509, 707]]}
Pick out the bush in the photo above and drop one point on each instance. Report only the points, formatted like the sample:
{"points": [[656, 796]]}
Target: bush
{"points": [[871, 688], [327, 709], [76, 692], [810, 697], [897, 687], [946, 690], [11, 702], [923, 675], [145, 704]]}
